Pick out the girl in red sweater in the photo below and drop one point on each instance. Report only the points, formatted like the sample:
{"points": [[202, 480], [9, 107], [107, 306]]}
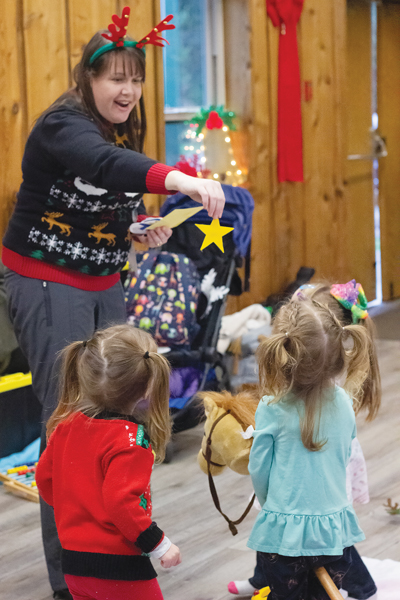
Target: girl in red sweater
{"points": [[112, 419]]}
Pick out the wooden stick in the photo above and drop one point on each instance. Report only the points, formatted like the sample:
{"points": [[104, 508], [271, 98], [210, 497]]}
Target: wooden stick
{"points": [[327, 584], [27, 493], [19, 489], [8, 479]]}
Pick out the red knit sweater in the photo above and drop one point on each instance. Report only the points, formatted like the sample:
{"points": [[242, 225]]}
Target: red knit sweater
{"points": [[96, 475]]}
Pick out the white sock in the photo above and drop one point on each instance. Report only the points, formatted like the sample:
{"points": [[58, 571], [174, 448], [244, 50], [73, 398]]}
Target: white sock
{"points": [[244, 588]]}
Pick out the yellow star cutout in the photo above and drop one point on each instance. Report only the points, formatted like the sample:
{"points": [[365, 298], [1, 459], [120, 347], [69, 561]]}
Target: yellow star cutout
{"points": [[214, 234]]}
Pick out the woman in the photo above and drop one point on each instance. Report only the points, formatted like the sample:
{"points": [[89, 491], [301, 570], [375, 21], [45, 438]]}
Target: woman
{"points": [[83, 177]]}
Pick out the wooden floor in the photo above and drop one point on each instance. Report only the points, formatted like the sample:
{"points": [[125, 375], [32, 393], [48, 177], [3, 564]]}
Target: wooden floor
{"points": [[184, 509]]}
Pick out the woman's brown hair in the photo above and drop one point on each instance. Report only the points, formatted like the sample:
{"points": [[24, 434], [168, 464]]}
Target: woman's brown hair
{"points": [[305, 354], [370, 398], [114, 371], [134, 63]]}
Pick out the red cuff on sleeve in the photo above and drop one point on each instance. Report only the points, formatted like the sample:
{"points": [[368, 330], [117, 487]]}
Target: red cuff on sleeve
{"points": [[155, 179]]}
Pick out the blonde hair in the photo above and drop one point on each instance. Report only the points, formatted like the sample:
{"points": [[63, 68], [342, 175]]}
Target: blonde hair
{"points": [[113, 371], [371, 394], [305, 354]]}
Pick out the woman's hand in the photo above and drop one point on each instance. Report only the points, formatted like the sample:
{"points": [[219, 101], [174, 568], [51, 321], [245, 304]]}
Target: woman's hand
{"points": [[155, 237], [207, 192], [171, 558]]}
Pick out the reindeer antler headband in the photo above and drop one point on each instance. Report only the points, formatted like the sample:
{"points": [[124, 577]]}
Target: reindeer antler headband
{"points": [[117, 34]]}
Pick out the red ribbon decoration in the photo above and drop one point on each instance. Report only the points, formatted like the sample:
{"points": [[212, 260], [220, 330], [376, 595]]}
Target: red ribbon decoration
{"points": [[285, 14]]}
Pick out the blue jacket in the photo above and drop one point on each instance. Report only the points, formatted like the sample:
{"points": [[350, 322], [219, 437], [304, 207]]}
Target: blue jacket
{"points": [[305, 510]]}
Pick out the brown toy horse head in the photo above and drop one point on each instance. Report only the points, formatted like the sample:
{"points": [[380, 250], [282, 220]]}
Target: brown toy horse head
{"points": [[228, 447]]}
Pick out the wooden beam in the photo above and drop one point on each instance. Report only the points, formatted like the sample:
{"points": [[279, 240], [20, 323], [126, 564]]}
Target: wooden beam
{"points": [[12, 109], [44, 29]]}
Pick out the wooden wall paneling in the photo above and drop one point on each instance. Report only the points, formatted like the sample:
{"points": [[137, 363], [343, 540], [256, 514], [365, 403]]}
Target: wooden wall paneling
{"points": [[238, 95], [84, 19], [12, 109], [145, 14], [323, 215], [360, 225], [237, 60], [238, 76], [389, 126], [340, 149], [46, 45], [260, 157], [287, 198]]}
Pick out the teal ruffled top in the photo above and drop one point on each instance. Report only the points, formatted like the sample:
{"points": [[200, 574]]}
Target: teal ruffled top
{"points": [[305, 510]]}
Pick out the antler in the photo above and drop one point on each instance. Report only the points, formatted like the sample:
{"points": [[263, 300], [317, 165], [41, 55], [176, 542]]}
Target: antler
{"points": [[122, 24], [153, 37]]}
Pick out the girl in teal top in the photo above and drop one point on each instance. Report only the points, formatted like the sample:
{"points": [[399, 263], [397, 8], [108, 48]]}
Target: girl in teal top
{"points": [[302, 443]]}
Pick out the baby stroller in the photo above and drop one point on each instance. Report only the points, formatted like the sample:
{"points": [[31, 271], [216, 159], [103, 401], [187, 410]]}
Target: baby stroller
{"points": [[197, 366]]}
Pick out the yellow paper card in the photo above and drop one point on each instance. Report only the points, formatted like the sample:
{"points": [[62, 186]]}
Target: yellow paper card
{"points": [[176, 217]]}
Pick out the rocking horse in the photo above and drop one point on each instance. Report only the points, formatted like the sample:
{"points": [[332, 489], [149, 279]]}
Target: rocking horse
{"points": [[223, 445]]}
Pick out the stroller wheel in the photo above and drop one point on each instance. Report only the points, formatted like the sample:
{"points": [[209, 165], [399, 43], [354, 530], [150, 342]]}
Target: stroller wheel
{"points": [[169, 452]]}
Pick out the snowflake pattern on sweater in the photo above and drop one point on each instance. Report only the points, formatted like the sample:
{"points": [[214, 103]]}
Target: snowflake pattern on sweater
{"points": [[78, 197]]}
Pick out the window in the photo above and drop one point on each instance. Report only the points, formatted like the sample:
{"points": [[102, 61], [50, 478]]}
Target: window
{"points": [[194, 74]]}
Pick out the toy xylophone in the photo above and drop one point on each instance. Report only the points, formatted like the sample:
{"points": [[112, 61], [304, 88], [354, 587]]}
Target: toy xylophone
{"points": [[20, 481]]}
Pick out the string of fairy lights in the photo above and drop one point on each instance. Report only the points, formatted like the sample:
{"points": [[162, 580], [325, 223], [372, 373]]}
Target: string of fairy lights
{"points": [[208, 148]]}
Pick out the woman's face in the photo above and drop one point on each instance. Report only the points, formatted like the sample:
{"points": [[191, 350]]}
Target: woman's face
{"points": [[117, 90]]}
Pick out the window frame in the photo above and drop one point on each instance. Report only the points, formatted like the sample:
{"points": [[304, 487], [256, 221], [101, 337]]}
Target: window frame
{"points": [[215, 64]]}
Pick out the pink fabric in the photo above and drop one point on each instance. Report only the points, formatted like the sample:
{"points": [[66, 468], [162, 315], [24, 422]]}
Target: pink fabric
{"points": [[91, 588], [356, 475]]}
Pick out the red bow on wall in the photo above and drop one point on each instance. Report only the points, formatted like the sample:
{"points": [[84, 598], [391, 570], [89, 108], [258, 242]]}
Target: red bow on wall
{"points": [[285, 14]]}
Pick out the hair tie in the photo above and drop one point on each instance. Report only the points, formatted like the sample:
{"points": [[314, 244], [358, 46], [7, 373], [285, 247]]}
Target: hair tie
{"points": [[146, 354], [84, 343]]}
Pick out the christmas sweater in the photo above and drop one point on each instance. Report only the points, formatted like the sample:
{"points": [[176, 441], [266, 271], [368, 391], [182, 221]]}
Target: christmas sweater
{"points": [[95, 472], [79, 195]]}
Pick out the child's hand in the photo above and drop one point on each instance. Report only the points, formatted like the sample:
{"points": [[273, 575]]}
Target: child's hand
{"points": [[171, 558]]}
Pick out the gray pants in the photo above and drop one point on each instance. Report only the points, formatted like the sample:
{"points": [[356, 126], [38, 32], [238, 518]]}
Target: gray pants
{"points": [[47, 317]]}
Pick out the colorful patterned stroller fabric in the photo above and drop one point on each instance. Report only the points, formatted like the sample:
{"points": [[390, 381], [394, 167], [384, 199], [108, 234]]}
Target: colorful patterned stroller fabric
{"points": [[162, 298], [208, 277]]}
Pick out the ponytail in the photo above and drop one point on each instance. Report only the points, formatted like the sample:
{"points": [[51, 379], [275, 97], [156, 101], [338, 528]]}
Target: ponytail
{"points": [[158, 418], [279, 358], [363, 376], [69, 388], [372, 394], [276, 365]]}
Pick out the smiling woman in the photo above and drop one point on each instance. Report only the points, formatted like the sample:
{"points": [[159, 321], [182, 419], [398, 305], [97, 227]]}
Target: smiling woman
{"points": [[84, 173], [117, 91]]}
